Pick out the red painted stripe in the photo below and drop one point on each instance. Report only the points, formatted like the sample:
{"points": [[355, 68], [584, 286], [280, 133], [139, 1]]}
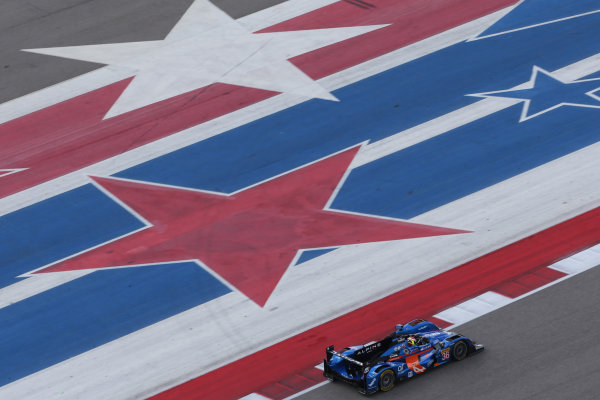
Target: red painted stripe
{"points": [[277, 391], [528, 282], [532, 281], [439, 322], [550, 274], [316, 375], [411, 21], [71, 135], [376, 320], [296, 383], [511, 289]]}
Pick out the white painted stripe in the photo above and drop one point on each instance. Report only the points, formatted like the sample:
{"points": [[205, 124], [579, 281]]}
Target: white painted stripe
{"points": [[473, 308], [579, 262], [36, 284], [456, 315]]}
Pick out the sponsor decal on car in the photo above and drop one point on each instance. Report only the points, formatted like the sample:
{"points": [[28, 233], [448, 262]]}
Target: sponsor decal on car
{"points": [[368, 349]]}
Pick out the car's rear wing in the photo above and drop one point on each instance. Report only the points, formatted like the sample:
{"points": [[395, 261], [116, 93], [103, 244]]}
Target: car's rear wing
{"points": [[351, 364], [330, 352]]}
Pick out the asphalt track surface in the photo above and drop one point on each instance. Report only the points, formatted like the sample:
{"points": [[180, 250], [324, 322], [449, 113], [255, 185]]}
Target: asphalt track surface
{"points": [[542, 346], [48, 23]]}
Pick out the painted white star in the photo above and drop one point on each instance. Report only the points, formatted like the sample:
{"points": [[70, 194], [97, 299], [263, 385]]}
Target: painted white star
{"points": [[208, 46], [546, 92]]}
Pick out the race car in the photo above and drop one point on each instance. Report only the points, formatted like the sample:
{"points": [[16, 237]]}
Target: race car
{"points": [[408, 351]]}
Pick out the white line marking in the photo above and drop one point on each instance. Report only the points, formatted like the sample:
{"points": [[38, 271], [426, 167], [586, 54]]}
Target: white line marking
{"points": [[473, 308], [10, 171], [36, 284], [579, 262]]}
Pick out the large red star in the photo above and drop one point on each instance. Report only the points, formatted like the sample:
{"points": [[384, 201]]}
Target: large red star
{"points": [[248, 238]]}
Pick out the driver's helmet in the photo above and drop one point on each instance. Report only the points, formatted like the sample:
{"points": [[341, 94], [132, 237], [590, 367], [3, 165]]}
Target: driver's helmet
{"points": [[412, 340]]}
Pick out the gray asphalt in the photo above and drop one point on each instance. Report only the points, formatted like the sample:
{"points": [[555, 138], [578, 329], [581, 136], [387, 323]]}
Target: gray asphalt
{"points": [[54, 23], [543, 346]]}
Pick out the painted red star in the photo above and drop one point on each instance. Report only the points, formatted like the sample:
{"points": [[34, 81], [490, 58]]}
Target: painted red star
{"points": [[248, 238]]}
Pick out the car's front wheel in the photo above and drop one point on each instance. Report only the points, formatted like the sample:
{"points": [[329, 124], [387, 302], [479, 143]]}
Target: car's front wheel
{"points": [[387, 379], [460, 351]]}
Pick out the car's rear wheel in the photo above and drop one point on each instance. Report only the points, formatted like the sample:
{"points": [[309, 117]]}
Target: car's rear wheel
{"points": [[387, 380], [460, 351]]}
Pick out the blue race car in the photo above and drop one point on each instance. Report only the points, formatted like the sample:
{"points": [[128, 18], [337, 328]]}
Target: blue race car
{"points": [[410, 350]]}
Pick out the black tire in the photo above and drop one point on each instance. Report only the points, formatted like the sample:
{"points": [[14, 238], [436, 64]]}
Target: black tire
{"points": [[387, 380], [460, 350]]}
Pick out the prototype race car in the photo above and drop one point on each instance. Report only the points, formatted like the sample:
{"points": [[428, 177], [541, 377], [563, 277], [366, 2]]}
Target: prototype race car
{"points": [[410, 350]]}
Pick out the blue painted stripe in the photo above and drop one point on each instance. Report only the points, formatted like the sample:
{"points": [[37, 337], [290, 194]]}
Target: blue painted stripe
{"points": [[310, 254], [57, 228], [88, 312], [468, 159]]}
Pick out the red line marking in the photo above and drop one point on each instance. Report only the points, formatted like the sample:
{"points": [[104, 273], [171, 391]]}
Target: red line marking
{"points": [[375, 320]]}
